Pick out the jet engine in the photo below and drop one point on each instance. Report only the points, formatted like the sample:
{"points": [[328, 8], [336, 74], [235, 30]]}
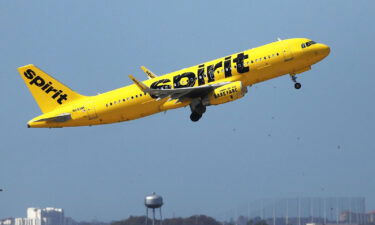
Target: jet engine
{"points": [[226, 93]]}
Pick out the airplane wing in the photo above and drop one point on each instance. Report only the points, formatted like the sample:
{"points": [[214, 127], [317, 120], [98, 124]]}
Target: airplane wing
{"points": [[59, 118], [178, 93], [148, 72]]}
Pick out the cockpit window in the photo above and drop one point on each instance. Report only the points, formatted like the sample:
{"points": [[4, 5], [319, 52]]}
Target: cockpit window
{"points": [[307, 44]]}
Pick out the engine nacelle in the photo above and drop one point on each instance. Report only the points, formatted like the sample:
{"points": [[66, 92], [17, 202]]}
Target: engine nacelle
{"points": [[226, 93]]}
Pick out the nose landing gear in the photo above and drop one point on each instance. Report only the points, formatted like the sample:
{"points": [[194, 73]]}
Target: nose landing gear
{"points": [[296, 84]]}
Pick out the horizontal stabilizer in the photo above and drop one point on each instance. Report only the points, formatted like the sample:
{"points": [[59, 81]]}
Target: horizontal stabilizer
{"points": [[60, 118]]}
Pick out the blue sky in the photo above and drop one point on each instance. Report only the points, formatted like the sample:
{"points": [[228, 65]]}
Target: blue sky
{"points": [[275, 142]]}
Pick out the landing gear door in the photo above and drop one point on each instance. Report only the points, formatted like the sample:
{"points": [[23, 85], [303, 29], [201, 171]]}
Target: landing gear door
{"points": [[91, 112]]}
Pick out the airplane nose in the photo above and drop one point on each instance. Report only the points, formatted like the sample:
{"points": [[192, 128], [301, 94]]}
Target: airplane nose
{"points": [[324, 50]]}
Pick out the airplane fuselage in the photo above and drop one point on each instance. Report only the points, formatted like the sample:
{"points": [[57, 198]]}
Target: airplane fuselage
{"points": [[130, 102]]}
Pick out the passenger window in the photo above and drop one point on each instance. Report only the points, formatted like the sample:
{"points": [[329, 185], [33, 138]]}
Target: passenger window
{"points": [[110, 103], [123, 99], [132, 97]]}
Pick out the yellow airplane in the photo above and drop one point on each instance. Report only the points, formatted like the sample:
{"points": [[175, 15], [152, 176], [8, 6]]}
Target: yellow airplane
{"points": [[211, 83]]}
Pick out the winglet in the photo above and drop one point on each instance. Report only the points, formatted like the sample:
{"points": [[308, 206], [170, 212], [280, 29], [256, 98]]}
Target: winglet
{"points": [[141, 85], [148, 72]]}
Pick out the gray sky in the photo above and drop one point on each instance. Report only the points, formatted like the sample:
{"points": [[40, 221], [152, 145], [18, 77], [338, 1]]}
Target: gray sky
{"points": [[275, 142]]}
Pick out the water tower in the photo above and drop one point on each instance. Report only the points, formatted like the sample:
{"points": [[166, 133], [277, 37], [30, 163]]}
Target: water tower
{"points": [[153, 202]]}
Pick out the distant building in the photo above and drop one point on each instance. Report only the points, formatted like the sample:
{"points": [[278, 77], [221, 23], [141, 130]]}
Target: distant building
{"points": [[313, 224], [36, 216], [348, 217], [53, 216], [69, 221], [371, 217], [8, 221]]}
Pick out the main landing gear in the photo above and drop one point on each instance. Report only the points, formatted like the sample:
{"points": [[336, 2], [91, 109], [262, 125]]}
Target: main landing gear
{"points": [[296, 84], [197, 110], [194, 116]]}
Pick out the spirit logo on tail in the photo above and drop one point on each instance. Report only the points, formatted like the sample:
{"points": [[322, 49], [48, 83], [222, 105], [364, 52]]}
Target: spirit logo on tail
{"points": [[46, 87]]}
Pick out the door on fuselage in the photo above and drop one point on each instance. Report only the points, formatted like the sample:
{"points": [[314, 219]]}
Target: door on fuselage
{"points": [[287, 53], [91, 112]]}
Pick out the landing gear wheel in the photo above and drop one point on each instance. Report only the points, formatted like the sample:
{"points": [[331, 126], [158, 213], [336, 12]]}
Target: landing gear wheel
{"points": [[294, 79], [195, 116]]}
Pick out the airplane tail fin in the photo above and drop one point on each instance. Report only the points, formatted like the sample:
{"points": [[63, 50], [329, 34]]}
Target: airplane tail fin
{"points": [[48, 92]]}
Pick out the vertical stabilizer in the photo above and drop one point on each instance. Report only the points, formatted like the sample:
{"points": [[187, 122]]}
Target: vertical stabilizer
{"points": [[48, 92]]}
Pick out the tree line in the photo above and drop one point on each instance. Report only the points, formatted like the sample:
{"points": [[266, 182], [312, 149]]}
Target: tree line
{"points": [[192, 220]]}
